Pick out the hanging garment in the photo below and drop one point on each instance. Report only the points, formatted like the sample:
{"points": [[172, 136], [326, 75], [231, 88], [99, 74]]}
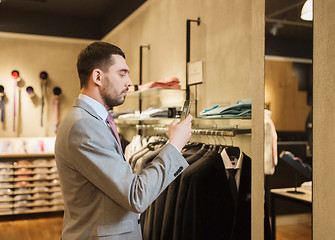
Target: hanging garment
{"points": [[140, 160], [205, 200], [171, 198], [155, 216], [136, 143], [270, 145], [199, 204]]}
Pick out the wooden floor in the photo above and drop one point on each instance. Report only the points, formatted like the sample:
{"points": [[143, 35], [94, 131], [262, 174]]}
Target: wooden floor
{"points": [[38, 228], [295, 232], [49, 228]]}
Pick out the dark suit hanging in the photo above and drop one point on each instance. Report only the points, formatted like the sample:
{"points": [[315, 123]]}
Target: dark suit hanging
{"points": [[171, 198], [208, 211]]}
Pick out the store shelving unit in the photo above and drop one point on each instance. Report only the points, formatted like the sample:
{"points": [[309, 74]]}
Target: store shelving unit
{"points": [[29, 183], [198, 122]]}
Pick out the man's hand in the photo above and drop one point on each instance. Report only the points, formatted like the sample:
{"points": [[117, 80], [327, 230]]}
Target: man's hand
{"points": [[180, 132]]}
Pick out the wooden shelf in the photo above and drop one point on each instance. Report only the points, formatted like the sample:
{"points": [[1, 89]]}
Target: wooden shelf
{"points": [[32, 192], [33, 198], [9, 205], [7, 200], [37, 185], [155, 91], [47, 204], [36, 211], [26, 155], [12, 166], [6, 213]]}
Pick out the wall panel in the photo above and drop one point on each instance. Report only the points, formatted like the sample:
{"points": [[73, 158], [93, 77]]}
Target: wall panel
{"points": [[323, 120]]}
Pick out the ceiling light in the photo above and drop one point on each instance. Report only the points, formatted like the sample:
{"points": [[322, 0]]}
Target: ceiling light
{"points": [[307, 11]]}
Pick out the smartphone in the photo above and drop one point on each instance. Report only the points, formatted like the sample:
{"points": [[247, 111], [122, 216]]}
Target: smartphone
{"points": [[186, 110]]}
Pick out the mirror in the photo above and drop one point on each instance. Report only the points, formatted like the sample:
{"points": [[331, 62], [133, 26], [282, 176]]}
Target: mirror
{"points": [[288, 110]]}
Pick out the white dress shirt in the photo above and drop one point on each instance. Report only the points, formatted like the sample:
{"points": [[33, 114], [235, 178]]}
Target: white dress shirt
{"points": [[236, 164]]}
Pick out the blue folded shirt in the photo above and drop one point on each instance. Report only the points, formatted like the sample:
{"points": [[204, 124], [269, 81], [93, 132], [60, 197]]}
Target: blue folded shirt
{"points": [[242, 109]]}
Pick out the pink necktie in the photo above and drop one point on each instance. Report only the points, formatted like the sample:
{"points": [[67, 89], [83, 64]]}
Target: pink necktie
{"points": [[112, 125]]}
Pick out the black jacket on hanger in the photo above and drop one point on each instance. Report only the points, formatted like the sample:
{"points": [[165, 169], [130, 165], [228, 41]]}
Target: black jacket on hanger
{"points": [[171, 198], [155, 217], [205, 205]]}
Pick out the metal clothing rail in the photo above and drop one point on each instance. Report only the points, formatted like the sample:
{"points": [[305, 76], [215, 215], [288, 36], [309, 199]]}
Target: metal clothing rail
{"points": [[231, 132]]}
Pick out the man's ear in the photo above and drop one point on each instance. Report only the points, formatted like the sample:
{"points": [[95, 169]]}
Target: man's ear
{"points": [[97, 76]]}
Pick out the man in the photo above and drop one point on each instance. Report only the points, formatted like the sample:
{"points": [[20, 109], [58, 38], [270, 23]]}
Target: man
{"points": [[102, 195]]}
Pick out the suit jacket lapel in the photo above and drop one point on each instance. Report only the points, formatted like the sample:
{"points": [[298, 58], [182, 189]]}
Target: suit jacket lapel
{"points": [[82, 104]]}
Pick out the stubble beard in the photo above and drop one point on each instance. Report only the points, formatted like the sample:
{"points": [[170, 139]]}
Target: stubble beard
{"points": [[111, 98]]}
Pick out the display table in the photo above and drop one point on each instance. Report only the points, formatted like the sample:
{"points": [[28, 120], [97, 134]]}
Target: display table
{"points": [[286, 193]]}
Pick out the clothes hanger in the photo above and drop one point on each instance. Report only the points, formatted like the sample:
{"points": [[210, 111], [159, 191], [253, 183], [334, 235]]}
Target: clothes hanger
{"points": [[154, 145], [233, 152]]}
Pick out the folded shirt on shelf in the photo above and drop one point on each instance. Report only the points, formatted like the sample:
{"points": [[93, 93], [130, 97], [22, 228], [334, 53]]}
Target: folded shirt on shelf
{"points": [[21, 203], [53, 176], [22, 170], [41, 176], [151, 112], [22, 197], [38, 162], [52, 162], [22, 183], [21, 209], [168, 83], [154, 112], [4, 204], [40, 189], [56, 195], [5, 186], [57, 201], [22, 163], [41, 170], [5, 209], [119, 114], [40, 202], [22, 190], [6, 170], [242, 109], [53, 169], [41, 183], [55, 189], [5, 176], [6, 197], [129, 115]]}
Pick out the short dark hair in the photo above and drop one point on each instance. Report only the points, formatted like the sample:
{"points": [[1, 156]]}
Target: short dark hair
{"points": [[96, 55]]}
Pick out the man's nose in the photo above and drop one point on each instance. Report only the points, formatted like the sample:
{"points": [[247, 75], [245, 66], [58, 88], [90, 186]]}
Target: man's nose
{"points": [[129, 83]]}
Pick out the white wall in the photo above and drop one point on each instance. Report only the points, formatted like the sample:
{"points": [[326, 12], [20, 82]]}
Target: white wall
{"points": [[222, 41], [30, 55]]}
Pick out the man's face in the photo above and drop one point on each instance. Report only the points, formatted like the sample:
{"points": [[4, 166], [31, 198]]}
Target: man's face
{"points": [[115, 83]]}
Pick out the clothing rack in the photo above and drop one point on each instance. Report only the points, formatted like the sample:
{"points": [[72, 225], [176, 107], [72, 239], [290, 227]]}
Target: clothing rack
{"points": [[230, 132]]}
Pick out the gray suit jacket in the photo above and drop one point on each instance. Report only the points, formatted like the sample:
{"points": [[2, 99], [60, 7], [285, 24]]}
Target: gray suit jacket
{"points": [[102, 195]]}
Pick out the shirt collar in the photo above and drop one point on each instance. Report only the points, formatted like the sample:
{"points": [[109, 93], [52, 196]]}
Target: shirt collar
{"points": [[227, 163], [97, 107]]}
